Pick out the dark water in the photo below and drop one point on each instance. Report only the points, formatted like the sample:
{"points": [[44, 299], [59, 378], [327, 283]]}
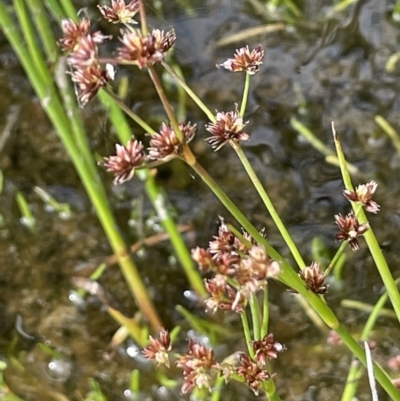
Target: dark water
{"points": [[323, 69]]}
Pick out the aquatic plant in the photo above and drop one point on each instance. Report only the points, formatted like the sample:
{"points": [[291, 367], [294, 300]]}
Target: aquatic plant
{"points": [[239, 264]]}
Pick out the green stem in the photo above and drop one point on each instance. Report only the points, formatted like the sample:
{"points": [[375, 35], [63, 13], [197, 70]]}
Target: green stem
{"points": [[166, 104], [43, 26], [246, 331], [121, 104], [190, 92], [335, 259], [217, 389], [255, 316], [143, 19], [265, 317], [245, 95], [369, 236], [268, 204], [270, 389]]}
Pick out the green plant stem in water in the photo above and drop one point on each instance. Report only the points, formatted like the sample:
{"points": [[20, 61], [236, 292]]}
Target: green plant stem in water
{"points": [[121, 104], [190, 92], [369, 235], [246, 332], [265, 317], [255, 316], [268, 204], [245, 96], [166, 104]]}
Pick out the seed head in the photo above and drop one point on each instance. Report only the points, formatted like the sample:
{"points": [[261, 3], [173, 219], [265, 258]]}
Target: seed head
{"points": [[197, 365], [74, 32], [119, 12], [166, 145], [126, 160], [314, 278], [267, 348], [158, 349], [89, 80], [363, 196], [252, 372], [147, 50], [244, 60], [349, 229], [202, 257], [228, 126]]}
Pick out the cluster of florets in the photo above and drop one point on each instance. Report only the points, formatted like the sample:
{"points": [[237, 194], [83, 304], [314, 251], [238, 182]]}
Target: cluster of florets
{"points": [[200, 367], [91, 72], [240, 268], [163, 146], [349, 227]]}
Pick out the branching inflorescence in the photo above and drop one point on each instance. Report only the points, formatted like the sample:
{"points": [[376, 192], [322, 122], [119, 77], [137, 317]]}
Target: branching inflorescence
{"points": [[238, 267]]}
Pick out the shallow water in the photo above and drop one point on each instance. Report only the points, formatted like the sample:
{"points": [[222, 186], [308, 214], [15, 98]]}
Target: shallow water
{"points": [[322, 69]]}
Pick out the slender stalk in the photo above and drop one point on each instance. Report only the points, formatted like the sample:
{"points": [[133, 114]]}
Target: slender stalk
{"points": [[166, 104], [121, 104], [268, 204], [217, 389], [42, 24], [270, 389], [335, 259], [255, 316], [265, 316], [246, 331], [143, 19], [189, 91], [369, 236], [390, 132], [245, 96], [31, 44]]}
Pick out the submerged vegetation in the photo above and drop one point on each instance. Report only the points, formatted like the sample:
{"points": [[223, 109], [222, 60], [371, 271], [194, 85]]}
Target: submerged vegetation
{"points": [[231, 277]]}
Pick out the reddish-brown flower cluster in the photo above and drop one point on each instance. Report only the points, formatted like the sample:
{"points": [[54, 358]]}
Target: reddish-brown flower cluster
{"points": [[252, 372], [74, 32], [350, 229], [244, 60], [163, 146], [166, 145], [267, 348], [227, 127], [159, 348], [147, 50], [127, 159], [87, 72], [314, 278], [363, 196], [240, 269], [119, 12], [198, 365]]}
